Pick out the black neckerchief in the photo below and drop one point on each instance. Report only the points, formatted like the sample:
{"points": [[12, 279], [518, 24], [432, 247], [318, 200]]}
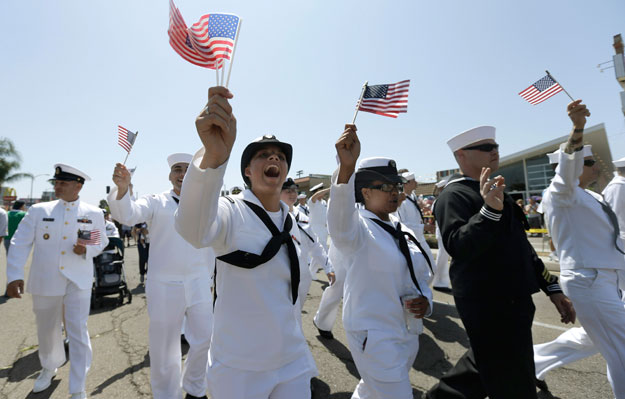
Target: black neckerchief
{"points": [[249, 260], [416, 206]]}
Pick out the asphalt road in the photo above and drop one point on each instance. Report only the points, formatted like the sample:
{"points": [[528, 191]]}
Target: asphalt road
{"points": [[120, 367]]}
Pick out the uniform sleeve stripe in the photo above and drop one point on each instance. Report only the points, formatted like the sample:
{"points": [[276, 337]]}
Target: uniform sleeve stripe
{"points": [[490, 215]]}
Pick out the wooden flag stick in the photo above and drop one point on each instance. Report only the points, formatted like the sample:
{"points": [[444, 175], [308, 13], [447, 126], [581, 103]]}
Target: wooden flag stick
{"points": [[563, 89], [362, 94], [223, 67], [128, 153], [234, 48], [217, 73]]}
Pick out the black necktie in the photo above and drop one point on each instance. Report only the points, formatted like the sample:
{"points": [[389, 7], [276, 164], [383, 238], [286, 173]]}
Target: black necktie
{"points": [[249, 260], [417, 206], [176, 199], [400, 236], [302, 229], [613, 219]]}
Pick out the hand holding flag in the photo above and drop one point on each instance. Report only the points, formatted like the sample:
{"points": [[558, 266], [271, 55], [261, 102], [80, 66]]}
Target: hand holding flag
{"points": [[88, 237]]}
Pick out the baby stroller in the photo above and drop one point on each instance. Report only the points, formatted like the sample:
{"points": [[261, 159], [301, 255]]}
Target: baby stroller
{"points": [[109, 275]]}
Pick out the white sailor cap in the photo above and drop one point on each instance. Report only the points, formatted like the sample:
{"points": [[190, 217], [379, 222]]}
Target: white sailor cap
{"points": [[69, 173], [554, 157], [619, 163], [471, 136], [301, 196], [316, 187], [179, 157], [408, 176], [443, 182]]}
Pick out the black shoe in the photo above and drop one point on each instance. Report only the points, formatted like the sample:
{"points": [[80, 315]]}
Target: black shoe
{"points": [[542, 385], [184, 341], [325, 334], [189, 396], [443, 289]]}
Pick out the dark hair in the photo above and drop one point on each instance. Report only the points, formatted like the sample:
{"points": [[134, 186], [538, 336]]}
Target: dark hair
{"points": [[18, 205]]}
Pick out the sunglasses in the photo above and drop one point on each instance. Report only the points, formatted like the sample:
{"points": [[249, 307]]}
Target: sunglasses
{"points": [[589, 162], [388, 187], [484, 147]]}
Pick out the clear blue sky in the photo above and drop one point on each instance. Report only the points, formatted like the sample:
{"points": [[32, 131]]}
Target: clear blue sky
{"points": [[71, 71]]}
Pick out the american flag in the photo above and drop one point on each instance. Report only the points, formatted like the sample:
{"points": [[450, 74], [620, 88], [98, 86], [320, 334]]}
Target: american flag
{"points": [[125, 138], [208, 43], [88, 237], [387, 100], [541, 90]]}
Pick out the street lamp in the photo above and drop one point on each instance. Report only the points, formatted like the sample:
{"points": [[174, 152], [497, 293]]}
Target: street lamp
{"points": [[32, 180]]}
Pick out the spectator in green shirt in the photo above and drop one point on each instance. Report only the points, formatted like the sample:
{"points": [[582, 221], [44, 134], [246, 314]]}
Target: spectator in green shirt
{"points": [[16, 214]]}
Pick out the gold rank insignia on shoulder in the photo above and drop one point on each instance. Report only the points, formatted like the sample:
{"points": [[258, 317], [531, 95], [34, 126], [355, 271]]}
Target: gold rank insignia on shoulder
{"points": [[84, 220], [46, 236]]}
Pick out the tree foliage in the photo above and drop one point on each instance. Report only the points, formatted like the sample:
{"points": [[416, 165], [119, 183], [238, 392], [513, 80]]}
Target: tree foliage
{"points": [[10, 161]]}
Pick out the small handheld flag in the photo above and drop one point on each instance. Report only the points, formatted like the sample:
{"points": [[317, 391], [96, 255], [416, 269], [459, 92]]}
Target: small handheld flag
{"points": [[387, 99], [543, 89], [88, 237], [126, 139], [207, 43]]}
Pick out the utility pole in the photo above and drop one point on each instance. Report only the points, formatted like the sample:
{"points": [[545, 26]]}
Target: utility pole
{"points": [[619, 66]]}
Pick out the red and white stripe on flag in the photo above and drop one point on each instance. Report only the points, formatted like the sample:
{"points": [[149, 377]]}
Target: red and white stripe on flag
{"points": [[89, 237], [208, 43], [541, 90], [387, 100], [125, 138]]}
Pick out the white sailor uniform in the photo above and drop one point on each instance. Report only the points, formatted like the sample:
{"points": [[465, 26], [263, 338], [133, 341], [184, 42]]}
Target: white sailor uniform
{"points": [[331, 298], [614, 194], [312, 253], [178, 285], [592, 269], [319, 220], [377, 277], [258, 349], [59, 279]]}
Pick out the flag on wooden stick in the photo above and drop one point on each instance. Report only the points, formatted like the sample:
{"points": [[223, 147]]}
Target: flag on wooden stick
{"points": [[387, 99]]}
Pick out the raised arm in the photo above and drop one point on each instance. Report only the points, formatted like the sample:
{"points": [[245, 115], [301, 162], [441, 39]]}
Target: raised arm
{"points": [[342, 212], [201, 218], [123, 208]]}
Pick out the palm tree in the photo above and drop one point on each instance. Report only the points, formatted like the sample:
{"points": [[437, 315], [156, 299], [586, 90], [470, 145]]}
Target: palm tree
{"points": [[9, 161]]}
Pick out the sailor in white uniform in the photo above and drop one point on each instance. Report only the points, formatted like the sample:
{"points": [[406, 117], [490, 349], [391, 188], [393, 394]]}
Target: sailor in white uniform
{"points": [[258, 350], [410, 214], [386, 291], [301, 204], [312, 250], [614, 194], [319, 213], [585, 233], [61, 274], [178, 285]]}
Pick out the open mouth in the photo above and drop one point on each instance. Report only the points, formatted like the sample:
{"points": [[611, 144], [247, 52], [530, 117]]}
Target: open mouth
{"points": [[272, 171]]}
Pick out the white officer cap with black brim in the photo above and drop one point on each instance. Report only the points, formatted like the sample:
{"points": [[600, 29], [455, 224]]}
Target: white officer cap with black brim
{"points": [[375, 168], [259, 143], [471, 136], [316, 187], [69, 173], [619, 163], [408, 176]]}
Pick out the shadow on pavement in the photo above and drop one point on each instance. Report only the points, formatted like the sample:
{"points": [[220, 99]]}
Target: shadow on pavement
{"points": [[23, 368], [45, 394], [130, 370], [444, 325], [341, 352]]}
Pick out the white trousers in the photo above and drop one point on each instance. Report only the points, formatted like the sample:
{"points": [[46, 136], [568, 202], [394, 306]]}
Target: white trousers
{"points": [[303, 288], [168, 304], [441, 270], [330, 301], [570, 346], [291, 381], [600, 309], [49, 316], [372, 385]]}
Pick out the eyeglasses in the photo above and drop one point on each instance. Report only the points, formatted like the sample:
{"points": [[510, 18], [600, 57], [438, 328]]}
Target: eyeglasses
{"points": [[388, 187], [290, 190], [488, 147], [589, 162]]}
